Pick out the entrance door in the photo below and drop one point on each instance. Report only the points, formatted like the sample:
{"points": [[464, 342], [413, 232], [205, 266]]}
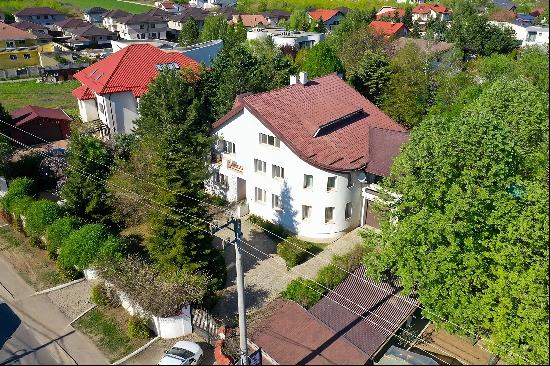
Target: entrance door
{"points": [[241, 189], [371, 219]]}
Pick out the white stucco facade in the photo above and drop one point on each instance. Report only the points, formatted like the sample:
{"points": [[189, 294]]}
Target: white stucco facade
{"points": [[527, 36], [423, 18], [145, 30], [282, 37], [241, 181], [116, 111]]}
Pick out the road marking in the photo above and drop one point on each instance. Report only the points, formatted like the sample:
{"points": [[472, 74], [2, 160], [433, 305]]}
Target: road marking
{"points": [[59, 287]]}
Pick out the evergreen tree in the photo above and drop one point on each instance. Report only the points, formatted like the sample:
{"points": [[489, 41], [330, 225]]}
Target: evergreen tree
{"points": [[322, 60], [189, 33], [215, 27], [84, 191], [407, 17], [299, 21], [320, 26], [372, 76]]}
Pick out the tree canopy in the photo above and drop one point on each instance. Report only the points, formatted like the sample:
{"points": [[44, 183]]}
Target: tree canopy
{"points": [[189, 33], [322, 60]]}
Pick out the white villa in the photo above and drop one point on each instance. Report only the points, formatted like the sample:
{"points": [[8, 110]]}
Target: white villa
{"points": [[307, 156], [281, 37], [526, 35]]}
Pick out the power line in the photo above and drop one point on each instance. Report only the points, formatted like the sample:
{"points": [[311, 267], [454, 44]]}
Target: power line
{"points": [[284, 239]]}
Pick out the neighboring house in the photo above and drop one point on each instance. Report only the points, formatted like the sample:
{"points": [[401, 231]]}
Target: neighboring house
{"points": [[389, 29], [304, 155], [250, 20], [275, 16], [537, 11], [283, 38], [424, 12], [150, 25], [89, 35], [203, 53], [111, 87], [505, 4], [95, 14], [390, 12], [46, 123], [431, 48], [41, 32], [18, 48], [526, 35], [212, 4], [351, 325], [43, 16], [110, 19], [330, 17], [526, 18], [177, 21], [63, 25], [169, 6]]}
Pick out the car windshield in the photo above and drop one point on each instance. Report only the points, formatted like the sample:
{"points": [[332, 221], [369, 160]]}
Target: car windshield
{"points": [[180, 352]]}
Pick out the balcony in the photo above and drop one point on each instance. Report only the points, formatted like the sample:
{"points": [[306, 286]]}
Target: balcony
{"points": [[234, 166]]}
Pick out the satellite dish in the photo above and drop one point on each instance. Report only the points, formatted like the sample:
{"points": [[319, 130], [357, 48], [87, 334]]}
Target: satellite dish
{"points": [[362, 177]]}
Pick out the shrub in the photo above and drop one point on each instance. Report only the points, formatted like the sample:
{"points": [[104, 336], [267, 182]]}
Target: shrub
{"points": [[82, 246], [39, 215], [18, 188], [305, 292], [100, 296], [275, 231], [18, 205], [70, 273], [331, 276], [137, 328], [294, 251], [58, 231]]}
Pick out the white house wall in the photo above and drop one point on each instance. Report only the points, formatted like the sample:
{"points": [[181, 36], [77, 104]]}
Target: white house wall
{"points": [[88, 110], [120, 111], [244, 131]]}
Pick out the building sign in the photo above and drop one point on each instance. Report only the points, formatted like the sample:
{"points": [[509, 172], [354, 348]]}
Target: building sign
{"points": [[255, 358]]}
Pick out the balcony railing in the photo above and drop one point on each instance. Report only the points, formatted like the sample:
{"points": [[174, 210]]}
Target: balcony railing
{"points": [[234, 166]]}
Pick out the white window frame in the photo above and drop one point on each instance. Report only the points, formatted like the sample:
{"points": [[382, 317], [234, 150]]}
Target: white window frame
{"points": [[221, 179], [27, 56], [228, 147], [277, 172], [260, 166], [276, 202], [306, 212], [329, 187], [271, 140], [348, 212], [306, 186], [259, 195], [329, 220], [10, 44]]}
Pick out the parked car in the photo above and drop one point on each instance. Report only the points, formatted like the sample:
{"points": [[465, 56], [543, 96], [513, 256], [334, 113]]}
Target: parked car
{"points": [[182, 353]]}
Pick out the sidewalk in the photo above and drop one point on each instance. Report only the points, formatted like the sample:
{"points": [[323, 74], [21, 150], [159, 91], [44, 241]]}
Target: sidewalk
{"points": [[66, 344]]}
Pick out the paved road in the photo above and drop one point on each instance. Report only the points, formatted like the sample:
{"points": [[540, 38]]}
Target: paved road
{"points": [[37, 332]]}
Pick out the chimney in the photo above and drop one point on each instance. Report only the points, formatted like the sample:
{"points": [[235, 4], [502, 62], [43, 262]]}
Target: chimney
{"points": [[303, 78], [293, 79]]}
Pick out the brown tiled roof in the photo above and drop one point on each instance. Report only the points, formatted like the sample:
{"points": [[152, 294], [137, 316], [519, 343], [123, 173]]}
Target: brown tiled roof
{"points": [[382, 311], [251, 20], [292, 336], [26, 26], [71, 23], [9, 33], [424, 45], [116, 13], [295, 114], [29, 113]]}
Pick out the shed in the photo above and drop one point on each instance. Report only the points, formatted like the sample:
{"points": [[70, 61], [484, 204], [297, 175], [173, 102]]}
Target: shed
{"points": [[45, 123]]}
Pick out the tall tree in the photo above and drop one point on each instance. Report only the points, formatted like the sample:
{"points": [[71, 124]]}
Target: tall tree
{"points": [[409, 90], [189, 33], [355, 19], [355, 45], [299, 20], [372, 76], [322, 60], [6, 147], [407, 17], [319, 26], [215, 27], [84, 192], [469, 232]]}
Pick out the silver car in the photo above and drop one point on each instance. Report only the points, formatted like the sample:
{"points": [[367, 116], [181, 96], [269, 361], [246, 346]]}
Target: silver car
{"points": [[182, 353]]}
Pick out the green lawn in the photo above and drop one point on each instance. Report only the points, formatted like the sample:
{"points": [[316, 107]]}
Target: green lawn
{"points": [[107, 328], [15, 95], [108, 4]]}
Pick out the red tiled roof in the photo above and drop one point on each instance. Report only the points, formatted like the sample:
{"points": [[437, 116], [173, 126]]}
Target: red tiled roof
{"points": [[537, 11], [301, 116], [425, 9], [395, 13], [83, 93], [9, 33], [130, 69], [326, 14], [386, 28], [382, 311], [292, 336], [29, 113]]}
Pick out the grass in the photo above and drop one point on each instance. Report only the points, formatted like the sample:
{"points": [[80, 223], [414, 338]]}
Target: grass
{"points": [[15, 95], [108, 4], [107, 328], [31, 263]]}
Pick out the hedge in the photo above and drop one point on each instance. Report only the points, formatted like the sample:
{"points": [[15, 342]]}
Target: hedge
{"points": [[18, 188], [137, 328], [20, 204], [294, 251], [39, 215], [99, 295], [303, 291], [58, 231]]}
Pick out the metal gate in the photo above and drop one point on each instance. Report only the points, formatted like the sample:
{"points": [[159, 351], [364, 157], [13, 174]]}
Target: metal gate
{"points": [[204, 324]]}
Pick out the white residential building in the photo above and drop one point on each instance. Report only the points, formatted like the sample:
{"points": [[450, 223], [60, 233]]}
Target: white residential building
{"points": [[110, 19], [330, 17], [111, 87], [526, 35], [282, 37], [306, 156], [424, 12], [211, 4], [150, 25]]}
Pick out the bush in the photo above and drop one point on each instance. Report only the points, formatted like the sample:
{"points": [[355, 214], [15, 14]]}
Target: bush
{"points": [[277, 230], [100, 296], [18, 205], [18, 188], [305, 292], [137, 328], [331, 276], [70, 273], [294, 251], [58, 231], [39, 215]]}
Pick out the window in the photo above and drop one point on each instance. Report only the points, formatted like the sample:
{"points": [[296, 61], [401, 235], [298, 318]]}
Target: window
{"points": [[269, 140], [531, 36], [259, 195], [228, 147], [350, 182], [306, 212], [153, 25], [220, 179], [13, 57], [277, 171], [348, 211], [276, 202], [141, 26], [27, 56], [101, 108], [308, 181], [259, 166], [331, 183], [10, 44], [329, 214]]}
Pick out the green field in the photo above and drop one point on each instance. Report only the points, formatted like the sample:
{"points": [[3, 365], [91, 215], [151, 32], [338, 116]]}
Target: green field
{"points": [[108, 4], [19, 94]]}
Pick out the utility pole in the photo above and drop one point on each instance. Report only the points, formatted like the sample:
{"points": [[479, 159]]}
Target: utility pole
{"points": [[236, 223]]}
